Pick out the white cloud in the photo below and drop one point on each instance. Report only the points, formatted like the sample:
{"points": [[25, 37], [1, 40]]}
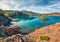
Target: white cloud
{"points": [[4, 4], [17, 6], [42, 9]]}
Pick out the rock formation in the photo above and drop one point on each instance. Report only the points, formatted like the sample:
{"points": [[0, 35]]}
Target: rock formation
{"points": [[16, 38], [12, 30], [8, 31]]}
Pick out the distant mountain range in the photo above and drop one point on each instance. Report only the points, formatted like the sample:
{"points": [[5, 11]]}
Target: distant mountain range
{"points": [[54, 14], [7, 15], [14, 13]]}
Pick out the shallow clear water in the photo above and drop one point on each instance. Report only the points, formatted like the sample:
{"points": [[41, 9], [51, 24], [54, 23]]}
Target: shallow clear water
{"points": [[31, 25]]}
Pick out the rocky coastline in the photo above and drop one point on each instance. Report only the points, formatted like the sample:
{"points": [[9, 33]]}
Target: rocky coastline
{"points": [[52, 31]]}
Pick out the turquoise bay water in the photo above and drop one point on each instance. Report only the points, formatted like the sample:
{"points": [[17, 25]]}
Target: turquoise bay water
{"points": [[36, 23]]}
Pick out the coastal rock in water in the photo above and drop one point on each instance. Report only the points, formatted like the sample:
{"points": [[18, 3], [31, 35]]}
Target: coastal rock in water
{"points": [[12, 30], [8, 31]]}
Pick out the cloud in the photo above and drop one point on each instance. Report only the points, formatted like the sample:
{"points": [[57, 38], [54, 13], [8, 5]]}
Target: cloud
{"points": [[43, 9], [40, 6], [9, 4], [4, 4]]}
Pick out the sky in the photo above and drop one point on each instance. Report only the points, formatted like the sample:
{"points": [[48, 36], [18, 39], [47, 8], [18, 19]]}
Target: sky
{"points": [[39, 6]]}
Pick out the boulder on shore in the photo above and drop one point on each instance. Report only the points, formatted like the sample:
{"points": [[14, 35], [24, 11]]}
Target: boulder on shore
{"points": [[8, 31], [12, 30]]}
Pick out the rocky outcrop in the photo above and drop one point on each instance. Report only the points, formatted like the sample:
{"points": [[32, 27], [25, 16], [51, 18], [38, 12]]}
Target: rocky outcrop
{"points": [[8, 31], [12, 30], [52, 31], [16, 38]]}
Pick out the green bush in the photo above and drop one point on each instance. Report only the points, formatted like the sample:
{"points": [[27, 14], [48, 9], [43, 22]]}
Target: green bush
{"points": [[44, 38]]}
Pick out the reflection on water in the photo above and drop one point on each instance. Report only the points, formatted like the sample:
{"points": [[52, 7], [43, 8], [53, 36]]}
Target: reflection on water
{"points": [[31, 25]]}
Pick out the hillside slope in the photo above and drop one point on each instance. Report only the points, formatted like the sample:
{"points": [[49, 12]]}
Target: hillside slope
{"points": [[3, 19], [52, 31]]}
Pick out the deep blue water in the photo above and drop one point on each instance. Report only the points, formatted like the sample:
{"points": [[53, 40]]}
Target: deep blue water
{"points": [[31, 25]]}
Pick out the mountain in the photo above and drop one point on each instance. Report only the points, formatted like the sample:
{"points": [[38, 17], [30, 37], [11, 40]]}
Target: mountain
{"points": [[14, 14], [54, 14], [30, 13], [19, 15]]}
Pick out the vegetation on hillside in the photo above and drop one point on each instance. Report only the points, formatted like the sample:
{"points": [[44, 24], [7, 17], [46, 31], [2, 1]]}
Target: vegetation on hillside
{"points": [[44, 38]]}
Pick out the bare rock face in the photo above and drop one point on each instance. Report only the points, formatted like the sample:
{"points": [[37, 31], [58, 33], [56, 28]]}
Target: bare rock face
{"points": [[17, 38], [52, 31]]}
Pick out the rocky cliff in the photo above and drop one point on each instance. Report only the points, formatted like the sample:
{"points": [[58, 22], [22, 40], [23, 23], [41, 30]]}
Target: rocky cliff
{"points": [[3, 19]]}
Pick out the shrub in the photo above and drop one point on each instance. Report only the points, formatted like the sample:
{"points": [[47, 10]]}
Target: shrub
{"points": [[44, 38]]}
